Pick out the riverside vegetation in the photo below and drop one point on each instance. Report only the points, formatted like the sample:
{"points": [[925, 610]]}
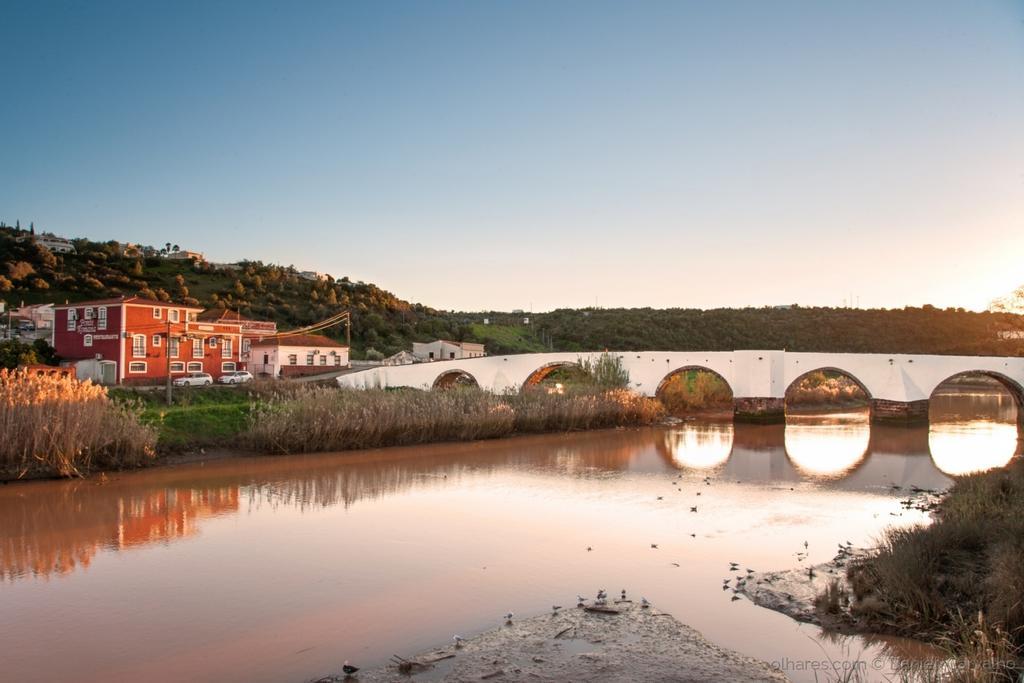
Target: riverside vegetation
{"points": [[56, 426], [63, 427], [958, 582]]}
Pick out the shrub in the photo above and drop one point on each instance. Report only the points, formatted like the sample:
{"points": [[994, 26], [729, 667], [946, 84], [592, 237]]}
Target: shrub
{"points": [[57, 426]]}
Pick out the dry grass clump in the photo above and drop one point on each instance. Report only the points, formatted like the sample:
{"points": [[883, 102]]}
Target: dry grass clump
{"points": [[695, 390], [970, 561], [59, 426], [824, 387], [326, 419]]}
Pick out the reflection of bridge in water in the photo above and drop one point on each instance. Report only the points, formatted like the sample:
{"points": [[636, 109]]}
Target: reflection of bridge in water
{"points": [[58, 527], [899, 386]]}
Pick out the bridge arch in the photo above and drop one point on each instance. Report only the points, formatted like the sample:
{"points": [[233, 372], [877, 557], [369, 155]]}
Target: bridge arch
{"points": [[717, 394], [827, 385], [542, 373], [450, 379], [1012, 387]]}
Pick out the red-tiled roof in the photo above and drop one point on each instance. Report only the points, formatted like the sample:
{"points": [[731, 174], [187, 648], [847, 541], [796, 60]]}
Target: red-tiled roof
{"points": [[299, 340], [129, 300]]}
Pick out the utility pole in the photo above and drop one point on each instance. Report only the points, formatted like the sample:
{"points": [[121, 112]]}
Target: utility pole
{"points": [[167, 354]]}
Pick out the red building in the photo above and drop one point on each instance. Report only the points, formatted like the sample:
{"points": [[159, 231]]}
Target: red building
{"points": [[131, 340]]}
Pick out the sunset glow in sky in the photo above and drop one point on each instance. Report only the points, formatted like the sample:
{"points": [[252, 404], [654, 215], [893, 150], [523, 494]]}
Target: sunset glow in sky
{"points": [[537, 155]]}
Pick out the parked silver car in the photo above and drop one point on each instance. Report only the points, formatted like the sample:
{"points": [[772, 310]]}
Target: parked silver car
{"points": [[194, 379], [236, 377]]}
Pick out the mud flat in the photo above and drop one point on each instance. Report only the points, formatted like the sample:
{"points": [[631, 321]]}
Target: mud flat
{"points": [[636, 644], [795, 591]]}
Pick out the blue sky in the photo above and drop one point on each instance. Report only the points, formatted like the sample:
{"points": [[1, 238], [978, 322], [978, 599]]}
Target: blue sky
{"points": [[485, 155]]}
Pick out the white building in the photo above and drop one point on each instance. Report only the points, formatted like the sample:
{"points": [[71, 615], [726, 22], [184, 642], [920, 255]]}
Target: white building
{"points": [[57, 245], [442, 349], [39, 316], [304, 354]]}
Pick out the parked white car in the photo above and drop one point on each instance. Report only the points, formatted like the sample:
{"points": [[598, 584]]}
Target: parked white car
{"points": [[194, 379], [236, 377]]}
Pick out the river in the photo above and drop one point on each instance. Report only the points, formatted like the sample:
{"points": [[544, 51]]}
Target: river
{"points": [[278, 569]]}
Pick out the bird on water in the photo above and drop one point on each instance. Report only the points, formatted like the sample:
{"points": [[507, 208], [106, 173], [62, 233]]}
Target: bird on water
{"points": [[349, 669]]}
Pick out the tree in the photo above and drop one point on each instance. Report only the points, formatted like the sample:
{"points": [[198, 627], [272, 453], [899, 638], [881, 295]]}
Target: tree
{"points": [[1011, 303], [5, 284]]}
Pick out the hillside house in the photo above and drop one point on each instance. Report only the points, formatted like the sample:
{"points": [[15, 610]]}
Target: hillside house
{"points": [[442, 349]]}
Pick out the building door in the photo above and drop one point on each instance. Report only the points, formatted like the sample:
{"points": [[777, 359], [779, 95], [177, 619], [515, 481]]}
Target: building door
{"points": [[108, 372]]}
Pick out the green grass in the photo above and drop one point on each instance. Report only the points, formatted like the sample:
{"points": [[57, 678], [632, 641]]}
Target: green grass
{"points": [[507, 338], [213, 416]]}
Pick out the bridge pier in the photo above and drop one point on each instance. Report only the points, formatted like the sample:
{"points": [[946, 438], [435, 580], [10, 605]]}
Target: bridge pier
{"points": [[759, 409], [899, 412]]}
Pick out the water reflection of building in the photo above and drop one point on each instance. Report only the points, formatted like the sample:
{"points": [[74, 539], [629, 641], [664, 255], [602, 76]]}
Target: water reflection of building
{"points": [[57, 527]]}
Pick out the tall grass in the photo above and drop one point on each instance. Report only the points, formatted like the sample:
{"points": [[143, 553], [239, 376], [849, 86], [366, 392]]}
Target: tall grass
{"points": [[695, 390], [959, 581], [327, 419], [59, 426]]}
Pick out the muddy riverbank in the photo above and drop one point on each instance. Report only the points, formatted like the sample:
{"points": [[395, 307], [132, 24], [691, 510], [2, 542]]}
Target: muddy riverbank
{"points": [[632, 644]]}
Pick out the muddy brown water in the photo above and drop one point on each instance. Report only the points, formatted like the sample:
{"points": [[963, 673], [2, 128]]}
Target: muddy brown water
{"points": [[280, 568]]}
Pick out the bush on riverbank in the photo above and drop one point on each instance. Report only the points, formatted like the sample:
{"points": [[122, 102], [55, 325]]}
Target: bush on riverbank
{"points": [[694, 391], [58, 426], [958, 581], [326, 419], [826, 388]]}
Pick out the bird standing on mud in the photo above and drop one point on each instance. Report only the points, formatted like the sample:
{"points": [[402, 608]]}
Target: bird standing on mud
{"points": [[349, 669], [508, 619], [458, 640]]}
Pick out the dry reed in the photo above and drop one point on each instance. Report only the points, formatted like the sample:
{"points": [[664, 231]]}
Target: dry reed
{"points": [[58, 426], [326, 419]]}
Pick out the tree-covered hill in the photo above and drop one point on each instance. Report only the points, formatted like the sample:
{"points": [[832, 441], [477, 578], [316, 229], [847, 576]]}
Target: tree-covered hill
{"points": [[383, 324]]}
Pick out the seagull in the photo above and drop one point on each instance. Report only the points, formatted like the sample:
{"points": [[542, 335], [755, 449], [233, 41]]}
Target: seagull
{"points": [[349, 669], [654, 545], [693, 508], [580, 600], [623, 593], [458, 640], [644, 604], [508, 618]]}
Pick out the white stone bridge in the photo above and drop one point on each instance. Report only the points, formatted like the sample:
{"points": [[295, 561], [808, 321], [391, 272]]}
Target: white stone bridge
{"points": [[899, 386]]}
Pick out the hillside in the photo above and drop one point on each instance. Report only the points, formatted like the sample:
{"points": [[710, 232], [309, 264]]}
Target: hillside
{"points": [[383, 324]]}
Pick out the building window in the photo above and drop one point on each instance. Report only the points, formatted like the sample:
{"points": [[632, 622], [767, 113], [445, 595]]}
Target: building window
{"points": [[227, 367], [89, 312], [139, 346], [191, 317], [156, 340], [246, 345], [197, 348], [172, 346], [172, 315], [178, 367], [451, 355], [87, 340], [309, 359], [213, 342], [337, 360], [431, 355], [193, 366], [101, 318], [225, 348], [137, 366], [292, 359], [156, 312], [72, 319], [323, 360]]}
